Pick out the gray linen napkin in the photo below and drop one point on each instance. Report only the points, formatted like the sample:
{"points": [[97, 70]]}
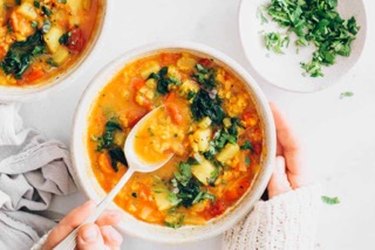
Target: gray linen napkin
{"points": [[32, 171]]}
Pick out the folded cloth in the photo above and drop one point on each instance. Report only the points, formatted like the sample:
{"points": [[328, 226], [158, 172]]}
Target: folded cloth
{"points": [[32, 171]]}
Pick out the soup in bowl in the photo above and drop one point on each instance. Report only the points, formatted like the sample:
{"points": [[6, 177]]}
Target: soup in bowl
{"points": [[211, 116], [40, 40]]}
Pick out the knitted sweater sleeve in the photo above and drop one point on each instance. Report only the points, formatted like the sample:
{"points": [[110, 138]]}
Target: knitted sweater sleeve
{"points": [[287, 221]]}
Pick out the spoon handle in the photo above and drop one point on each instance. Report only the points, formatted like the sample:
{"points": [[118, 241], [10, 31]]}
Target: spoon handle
{"points": [[69, 243]]}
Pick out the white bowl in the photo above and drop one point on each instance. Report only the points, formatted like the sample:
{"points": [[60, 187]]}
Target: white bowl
{"points": [[28, 93], [88, 183], [284, 70]]}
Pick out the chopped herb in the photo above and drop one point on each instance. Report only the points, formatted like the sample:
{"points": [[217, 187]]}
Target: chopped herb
{"points": [[183, 175], [62, 1], [203, 196], [346, 94], [163, 81], [51, 62], [275, 41], [315, 22], [64, 38], [106, 140], [330, 200], [20, 55], [46, 10], [190, 95], [247, 145], [203, 105], [36, 4], [175, 221], [117, 156], [188, 188], [34, 24], [247, 161], [205, 76], [261, 15]]}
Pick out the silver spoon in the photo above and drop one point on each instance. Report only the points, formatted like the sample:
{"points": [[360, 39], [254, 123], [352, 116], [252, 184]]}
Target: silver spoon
{"points": [[135, 164]]}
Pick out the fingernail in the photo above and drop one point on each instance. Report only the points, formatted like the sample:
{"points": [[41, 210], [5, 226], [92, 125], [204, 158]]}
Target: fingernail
{"points": [[90, 234]]}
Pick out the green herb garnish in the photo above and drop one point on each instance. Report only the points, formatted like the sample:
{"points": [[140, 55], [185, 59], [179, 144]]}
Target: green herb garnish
{"points": [[346, 94], [205, 76], [330, 200], [314, 22], [275, 41], [163, 81], [203, 105], [20, 55]]}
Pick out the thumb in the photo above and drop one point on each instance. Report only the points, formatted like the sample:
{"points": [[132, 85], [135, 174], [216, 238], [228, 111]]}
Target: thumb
{"points": [[90, 238], [279, 182]]}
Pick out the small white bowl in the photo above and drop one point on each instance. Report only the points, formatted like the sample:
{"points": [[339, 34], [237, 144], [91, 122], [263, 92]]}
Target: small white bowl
{"points": [[28, 93], [88, 183], [284, 71]]}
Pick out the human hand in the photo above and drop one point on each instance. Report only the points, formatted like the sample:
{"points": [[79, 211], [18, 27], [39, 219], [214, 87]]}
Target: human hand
{"points": [[94, 236], [289, 173]]}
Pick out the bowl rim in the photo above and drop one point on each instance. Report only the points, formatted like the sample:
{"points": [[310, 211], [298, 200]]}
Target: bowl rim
{"points": [[187, 233], [9, 94], [259, 76]]}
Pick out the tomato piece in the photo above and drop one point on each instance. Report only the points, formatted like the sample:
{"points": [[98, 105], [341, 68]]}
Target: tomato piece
{"points": [[76, 40], [235, 191], [216, 208], [33, 75], [205, 62]]}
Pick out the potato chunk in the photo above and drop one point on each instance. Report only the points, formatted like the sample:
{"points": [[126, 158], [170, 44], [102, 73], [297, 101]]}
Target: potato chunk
{"points": [[52, 38], [228, 152], [204, 170]]}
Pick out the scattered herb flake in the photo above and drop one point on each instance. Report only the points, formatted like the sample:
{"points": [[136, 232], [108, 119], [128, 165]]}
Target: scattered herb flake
{"points": [[330, 200], [346, 94]]}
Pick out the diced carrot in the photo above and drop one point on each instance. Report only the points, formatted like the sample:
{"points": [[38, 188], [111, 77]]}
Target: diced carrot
{"points": [[2, 52], [174, 113], [171, 105], [105, 164], [33, 75]]}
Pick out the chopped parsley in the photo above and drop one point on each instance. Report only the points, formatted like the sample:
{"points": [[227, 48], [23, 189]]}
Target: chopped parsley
{"points": [[330, 200], [106, 142], [205, 76], [346, 94], [275, 41], [247, 145], [203, 105], [163, 80], [314, 22], [20, 55]]}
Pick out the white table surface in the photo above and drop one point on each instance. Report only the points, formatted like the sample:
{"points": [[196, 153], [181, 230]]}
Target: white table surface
{"points": [[338, 135]]}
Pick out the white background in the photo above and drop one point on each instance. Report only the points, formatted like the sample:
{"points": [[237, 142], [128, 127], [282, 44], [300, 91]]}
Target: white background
{"points": [[338, 135]]}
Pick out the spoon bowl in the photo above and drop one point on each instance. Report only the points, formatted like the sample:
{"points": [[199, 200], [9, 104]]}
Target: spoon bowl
{"points": [[134, 161]]}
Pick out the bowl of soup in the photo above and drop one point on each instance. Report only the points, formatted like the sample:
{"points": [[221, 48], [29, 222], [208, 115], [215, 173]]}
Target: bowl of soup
{"points": [[42, 42], [211, 116]]}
